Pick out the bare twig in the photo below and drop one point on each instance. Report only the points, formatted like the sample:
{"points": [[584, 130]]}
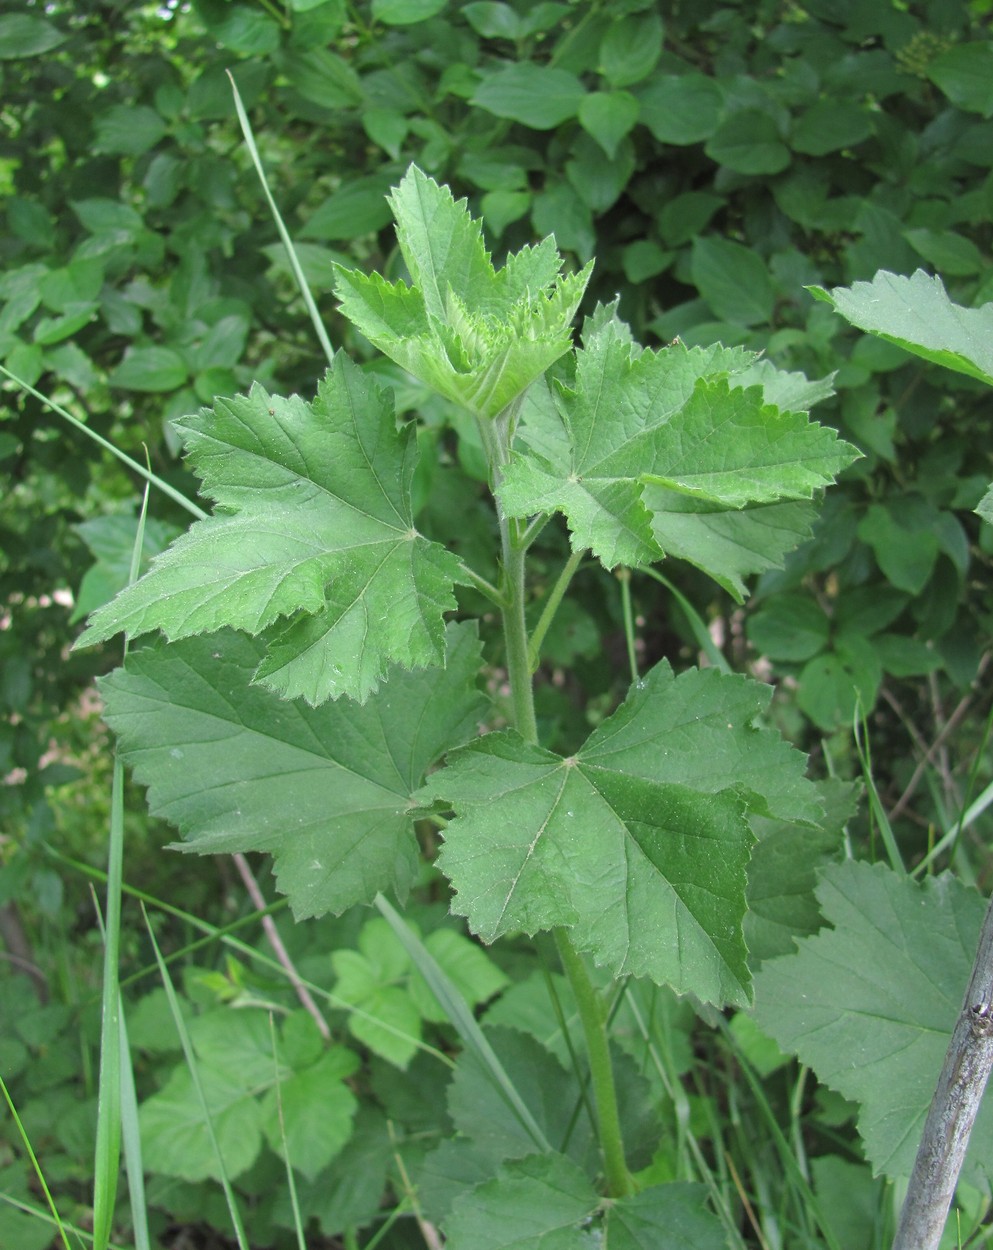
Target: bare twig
{"points": [[928, 752], [19, 948], [961, 1083], [276, 942]]}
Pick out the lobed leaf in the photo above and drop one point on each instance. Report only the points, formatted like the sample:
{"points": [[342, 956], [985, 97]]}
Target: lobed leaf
{"points": [[648, 448], [870, 1004], [312, 543], [637, 844], [325, 790]]}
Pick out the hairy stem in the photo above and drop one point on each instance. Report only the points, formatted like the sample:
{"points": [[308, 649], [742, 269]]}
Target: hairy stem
{"points": [[496, 440], [594, 1022]]}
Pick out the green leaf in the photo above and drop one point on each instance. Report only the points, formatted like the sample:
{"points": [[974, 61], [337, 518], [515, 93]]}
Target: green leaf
{"points": [[492, 20], [313, 522], [477, 335], [871, 1003], [151, 369], [608, 116], [127, 130], [387, 1020], [748, 142], [733, 280], [111, 540], [789, 627], [829, 125], [668, 418], [535, 95], [175, 1141], [665, 1217], [406, 12], [325, 790], [901, 533], [325, 79], [985, 507], [318, 1111], [356, 208], [965, 74], [638, 843], [681, 108], [22, 35], [543, 1202], [467, 966], [728, 544], [782, 876], [631, 48], [943, 249], [545, 1084], [916, 314]]}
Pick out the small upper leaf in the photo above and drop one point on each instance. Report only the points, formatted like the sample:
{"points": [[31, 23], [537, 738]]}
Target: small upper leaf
{"points": [[651, 445], [917, 315], [313, 523], [477, 335], [638, 843]]}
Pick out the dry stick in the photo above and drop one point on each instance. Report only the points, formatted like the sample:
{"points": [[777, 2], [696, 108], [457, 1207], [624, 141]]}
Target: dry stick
{"points": [[276, 942], [952, 796], [963, 1077], [928, 751]]}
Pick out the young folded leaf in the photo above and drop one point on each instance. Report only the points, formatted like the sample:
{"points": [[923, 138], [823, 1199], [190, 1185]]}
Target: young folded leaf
{"points": [[478, 335], [314, 524]]}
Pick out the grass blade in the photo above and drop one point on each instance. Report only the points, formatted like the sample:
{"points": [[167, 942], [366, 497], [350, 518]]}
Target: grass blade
{"points": [[158, 482], [113, 1054], [461, 1018], [284, 234], [35, 1164], [191, 1063]]}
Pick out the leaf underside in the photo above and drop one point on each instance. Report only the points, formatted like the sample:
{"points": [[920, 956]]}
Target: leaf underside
{"points": [[870, 1004], [325, 790], [917, 315]]}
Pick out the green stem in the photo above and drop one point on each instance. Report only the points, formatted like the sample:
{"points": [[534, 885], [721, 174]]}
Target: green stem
{"points": [[496, 436], [624, 577], [483, 586], [594, 1023], [552, 606], [515, 635]]}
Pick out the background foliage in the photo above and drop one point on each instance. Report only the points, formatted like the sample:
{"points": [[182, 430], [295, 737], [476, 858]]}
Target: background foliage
{"points": [[717, 159]]}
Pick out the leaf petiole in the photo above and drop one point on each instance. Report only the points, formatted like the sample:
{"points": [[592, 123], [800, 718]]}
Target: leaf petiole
{"points": [[484, 587], [555, 598]]}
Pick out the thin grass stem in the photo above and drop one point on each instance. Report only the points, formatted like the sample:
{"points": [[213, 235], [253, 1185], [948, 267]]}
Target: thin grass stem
{"points": [[83, 428], [284, 234]]}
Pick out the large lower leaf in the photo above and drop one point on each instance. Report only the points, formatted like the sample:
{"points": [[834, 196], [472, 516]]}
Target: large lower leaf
{"points": [[638, 843], [543, 1202], [325, 790], [313, 523], [871, 1003]]}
